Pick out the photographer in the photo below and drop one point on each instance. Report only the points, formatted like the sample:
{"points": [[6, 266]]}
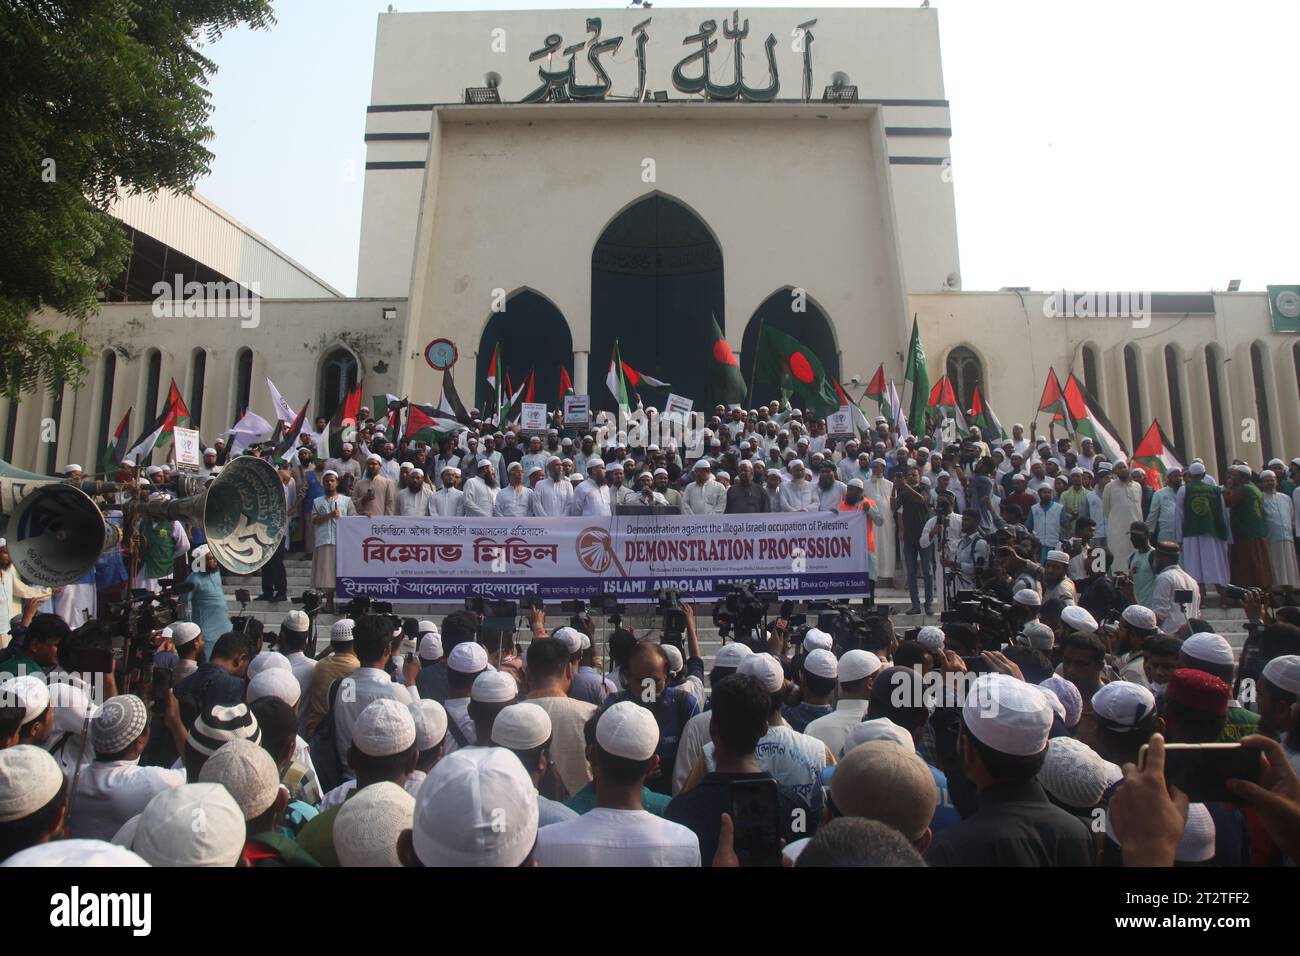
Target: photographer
{"points": [[39, 651], [913, 500], [1173, 583]]}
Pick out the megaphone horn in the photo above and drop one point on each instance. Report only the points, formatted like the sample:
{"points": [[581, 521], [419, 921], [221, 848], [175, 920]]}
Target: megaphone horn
{"points": [[242, 514], [55, 532]]}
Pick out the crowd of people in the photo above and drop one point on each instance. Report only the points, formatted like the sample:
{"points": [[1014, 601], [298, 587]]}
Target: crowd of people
{"points": [[1004, 737]]}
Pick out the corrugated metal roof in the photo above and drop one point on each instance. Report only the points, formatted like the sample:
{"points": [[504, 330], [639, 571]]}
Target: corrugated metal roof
{"points": [[193, 225]]}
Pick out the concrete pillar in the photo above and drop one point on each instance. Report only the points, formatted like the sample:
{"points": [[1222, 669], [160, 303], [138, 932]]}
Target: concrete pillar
{"points": [[580, 373]]}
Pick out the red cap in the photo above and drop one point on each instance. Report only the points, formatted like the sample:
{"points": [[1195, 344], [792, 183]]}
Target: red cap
{"points": [[1198, 690]]}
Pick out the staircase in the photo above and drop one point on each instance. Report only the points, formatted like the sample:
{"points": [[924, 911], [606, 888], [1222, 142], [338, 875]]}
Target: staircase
{"points": [[1231, 622]]}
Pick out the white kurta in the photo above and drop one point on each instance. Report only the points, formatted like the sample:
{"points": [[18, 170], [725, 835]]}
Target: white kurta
{"points": [[479, 498], [879, 490], [448, 503], [797, 496], [1122, 501], [512, 502], [1160, 515], [1280, 521], [415, 504], [591, 499], [553, 499]]}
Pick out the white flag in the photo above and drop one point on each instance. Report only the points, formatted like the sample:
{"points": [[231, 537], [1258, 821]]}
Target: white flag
{"points": [[283, 410], [900, 420], [249, 429]]}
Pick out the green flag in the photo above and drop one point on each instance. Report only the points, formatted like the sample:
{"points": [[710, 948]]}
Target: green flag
{"points": [[785, 361], [726, 384], [919, 376]]}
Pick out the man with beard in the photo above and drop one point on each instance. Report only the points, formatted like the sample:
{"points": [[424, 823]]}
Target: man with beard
{"points": [[745, 497], [797, 493], [593, 497], [515, 500], [375, 495], [1160, 512], [389, 467], [1122, 503], [1201, 528], [1136, 625], [669, 493], [705, 495], [1074, 499], [415, 500], [830, 490], [1172, 613], [553, 495], [481, 491], [448, 501]]}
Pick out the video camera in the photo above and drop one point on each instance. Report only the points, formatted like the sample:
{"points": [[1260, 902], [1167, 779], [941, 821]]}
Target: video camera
{"points": [[864, 628], [983, 610], [674, 618], [496, 615], [137, 618], [743, 611], [362, 604]]}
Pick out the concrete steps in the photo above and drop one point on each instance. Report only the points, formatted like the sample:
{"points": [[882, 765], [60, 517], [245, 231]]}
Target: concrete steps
{"points": [[1229, 622]]}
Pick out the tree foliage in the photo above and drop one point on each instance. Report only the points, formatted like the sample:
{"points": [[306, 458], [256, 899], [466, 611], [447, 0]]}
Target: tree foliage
{"points": [[95, 95]]}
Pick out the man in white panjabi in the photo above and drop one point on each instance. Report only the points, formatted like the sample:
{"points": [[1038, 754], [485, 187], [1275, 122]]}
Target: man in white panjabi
{"points": [[481, 491], [415, 500], [515, 500], [448, 501], [880, 491], [1122, 503]]}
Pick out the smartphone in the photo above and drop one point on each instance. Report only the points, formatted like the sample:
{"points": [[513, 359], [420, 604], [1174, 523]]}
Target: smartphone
{"points": [[161, 684], [1201, 770], [756, 813]]}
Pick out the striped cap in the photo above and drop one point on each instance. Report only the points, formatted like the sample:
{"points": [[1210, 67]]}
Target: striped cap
{"points": [[218, 725]]}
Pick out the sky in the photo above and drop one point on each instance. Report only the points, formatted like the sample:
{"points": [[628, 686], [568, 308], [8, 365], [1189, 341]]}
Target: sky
{"points": [[1141, 145]]}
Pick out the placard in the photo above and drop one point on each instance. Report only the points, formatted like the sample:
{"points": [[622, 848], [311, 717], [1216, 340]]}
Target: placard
{"points": [[577, 410], [188, 453], [677, 405], [800, 555], [840, 424], [532, 418]]}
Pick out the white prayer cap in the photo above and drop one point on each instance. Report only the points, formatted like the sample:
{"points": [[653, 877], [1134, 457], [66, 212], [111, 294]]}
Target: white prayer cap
{"points": [[268, 660], [248, 772], [168, 832], [660, 471], [79, 853], [1076, 470], [857, 664], [478, 807], [1008, 715], [430, 647], [586, 642], [493, 687], [704, 464], [570, 637], [1037, 635], [822, 663], [430, 719], [1197, 842], [931, 638], [69, 469], [119, 723], [328, 473], [1073, 773], [467, 658], [766, 668], [1053, 701], [1284, 673], [341, 630], [72, 704], [925, 480], [522, 726], [1196, 469], [628, 730], [1069, 697], [452, 468], [1140, 617], [1058, 556], [1078, 619], [209, 451], [274, 682], [535, 470], [1028, 597], [723, 474], [153, 470], [296, 621], [29, 779], [384, 728], [515, 466], [1123, 703], [373, 457], [29, 692], [674, 656], [417, 472], [816, 638], [857, 483], [880, 728], [730, 655], [1241, 469], [369, 823], [1208, 647]]}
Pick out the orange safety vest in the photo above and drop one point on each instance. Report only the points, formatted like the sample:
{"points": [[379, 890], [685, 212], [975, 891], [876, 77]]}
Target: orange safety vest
{"points": [[871, 528]]}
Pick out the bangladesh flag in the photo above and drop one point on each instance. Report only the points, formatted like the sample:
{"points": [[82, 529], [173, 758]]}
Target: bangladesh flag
{"points": [[1156, 453], [159, 430], [1053, 399], [428, 424], [785, 361], [982, 416], [112, 456], [919, 376], [1089, 421], [726, 384]]}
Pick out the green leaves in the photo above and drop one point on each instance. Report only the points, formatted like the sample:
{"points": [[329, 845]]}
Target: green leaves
{"points": [[95, 96]]}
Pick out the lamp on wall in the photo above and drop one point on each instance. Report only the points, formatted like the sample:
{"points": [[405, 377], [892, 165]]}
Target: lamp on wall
{"points": [[1234, 285]]}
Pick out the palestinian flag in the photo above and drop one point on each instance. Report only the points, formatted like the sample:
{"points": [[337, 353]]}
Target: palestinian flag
{"points": [[160, 429], [982, 416], [622, 380], [566, 384], [112, 456], [919, 376], [726, 384], [1053, 399], [942, 394], [785, 361], [1155, 452], [428, 424], [449, 403], [492, 367], [508, 409], [1089, 421], [286, 445], [343, 426], [530, 389], [859, 418], [876, 389]]}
